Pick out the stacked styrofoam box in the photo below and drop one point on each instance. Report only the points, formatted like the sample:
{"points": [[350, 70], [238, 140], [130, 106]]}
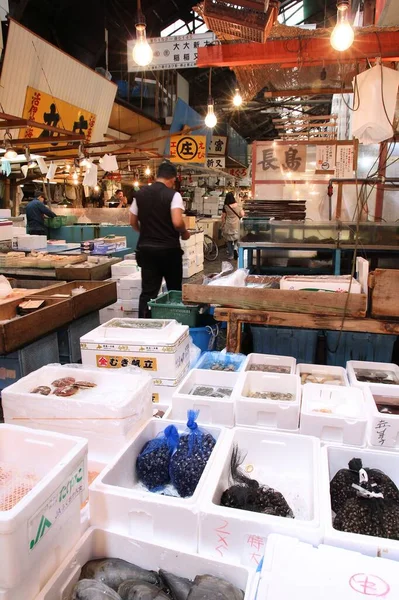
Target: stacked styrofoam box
{"points": [[287, 462], [334, 414], [271, 414], [217, 411], [118, 502], [107, 415], [324, 572], [274, 363], [32, 242], [193, 258], [119, 310], [40, 529], [353, 366], [123, 268], [97, 544], [161, 348], [6, 230], [335, 458], [324, 371], [383, 427]]}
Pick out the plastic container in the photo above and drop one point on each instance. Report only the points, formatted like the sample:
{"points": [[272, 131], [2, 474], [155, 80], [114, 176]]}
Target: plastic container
{"points": [[119, 503], [325, 572], [299, 343], [203, 338], [336, 458], [268, 413], [383, 428], [217, 411], [287, 462], [269, 363], [358, 346], [123, 268], [323, 374], [38, 529], [107, 415], [170, 306], [346, 423], [164, 389], [225, 360], [97, 543], [389, 370], [160, 347]]}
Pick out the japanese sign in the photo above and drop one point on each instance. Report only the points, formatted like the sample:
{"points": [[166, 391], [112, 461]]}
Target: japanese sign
{"points": [[240, 173], [213, 162], [218, 145], [105, 361], [291, 158], [325, 157], [345, 161], [174, 52], [276, 161], [43, 108], [188, 149]]}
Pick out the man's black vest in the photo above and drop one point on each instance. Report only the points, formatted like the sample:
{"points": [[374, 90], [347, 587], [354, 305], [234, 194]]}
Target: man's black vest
{"points": [[156, 227]]}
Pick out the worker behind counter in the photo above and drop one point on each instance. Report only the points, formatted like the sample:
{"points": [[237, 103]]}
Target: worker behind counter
{"points": [[157, 214], [35, 213]]}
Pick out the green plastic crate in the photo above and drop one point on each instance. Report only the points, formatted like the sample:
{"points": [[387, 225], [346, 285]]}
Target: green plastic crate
{"points": [[56, 222], [170, 306]]}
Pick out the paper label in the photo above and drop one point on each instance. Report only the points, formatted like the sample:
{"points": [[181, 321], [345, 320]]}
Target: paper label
{"points": [[106, 361]]}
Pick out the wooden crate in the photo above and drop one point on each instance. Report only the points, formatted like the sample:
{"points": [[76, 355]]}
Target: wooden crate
{"points": [[93, 273], [99, 294], [384, 284], [292, 301], [17, 332]]}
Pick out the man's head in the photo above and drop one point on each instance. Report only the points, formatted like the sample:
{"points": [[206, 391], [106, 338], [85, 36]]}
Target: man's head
{"points": [[39, 196], [167, 174], [119, 194]]}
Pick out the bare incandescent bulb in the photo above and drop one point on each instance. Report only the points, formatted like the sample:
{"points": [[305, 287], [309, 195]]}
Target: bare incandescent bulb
{"points": [[211, 118], [147, 172], [142, 53], [237, 98], [342, 35]]}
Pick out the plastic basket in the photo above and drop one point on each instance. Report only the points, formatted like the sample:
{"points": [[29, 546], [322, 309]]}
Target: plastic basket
{"points": [[170, 306], [203, 338], [349, 345], [56, 222]]}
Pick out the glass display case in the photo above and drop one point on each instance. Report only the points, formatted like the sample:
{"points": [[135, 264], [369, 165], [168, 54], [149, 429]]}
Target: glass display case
{"points": [[259, 231], [384, 235]]}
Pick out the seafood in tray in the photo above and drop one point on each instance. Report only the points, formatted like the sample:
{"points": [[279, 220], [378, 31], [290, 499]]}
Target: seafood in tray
{"points": [[376, 376], [211, 391], [64, 387], [278, 396]]}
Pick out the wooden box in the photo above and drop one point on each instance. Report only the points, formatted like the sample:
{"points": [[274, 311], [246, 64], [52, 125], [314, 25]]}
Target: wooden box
{"points": [[384, 284], [93, 272]]}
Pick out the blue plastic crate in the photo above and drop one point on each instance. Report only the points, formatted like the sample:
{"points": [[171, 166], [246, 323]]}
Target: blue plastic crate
{"points": [[69, 337], [203, 338], [284, 341], [226, 358], [350, 345]]}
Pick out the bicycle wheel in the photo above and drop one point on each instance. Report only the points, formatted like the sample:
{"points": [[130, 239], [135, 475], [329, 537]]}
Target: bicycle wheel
{"points": [[211, 251]]}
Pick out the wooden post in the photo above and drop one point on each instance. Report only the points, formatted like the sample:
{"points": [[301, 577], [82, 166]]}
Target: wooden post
{"points": [[13, 197], [7, 193]]}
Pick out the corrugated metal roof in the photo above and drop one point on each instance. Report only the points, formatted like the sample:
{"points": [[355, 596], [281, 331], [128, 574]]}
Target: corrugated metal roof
{"points": [[31, 61]]}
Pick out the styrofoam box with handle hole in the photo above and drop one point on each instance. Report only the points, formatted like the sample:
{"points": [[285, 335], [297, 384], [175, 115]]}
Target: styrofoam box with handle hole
{"points": [[123, 268], [336, 458], [383, 428], [217, 411], [376, 388], [271, 414], [289, 463], [107, 415], [323, 372], [345, 424], [132, 293], [39, 530], [118, 502], [324, 572], [271, 360], [97, 543], [131, 282]]}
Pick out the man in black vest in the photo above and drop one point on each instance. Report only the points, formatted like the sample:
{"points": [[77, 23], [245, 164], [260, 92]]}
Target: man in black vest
{"points": [[157, 214]]}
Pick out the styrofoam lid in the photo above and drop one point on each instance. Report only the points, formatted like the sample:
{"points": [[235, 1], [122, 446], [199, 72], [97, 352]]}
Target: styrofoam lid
{"points": [[138, 331]]}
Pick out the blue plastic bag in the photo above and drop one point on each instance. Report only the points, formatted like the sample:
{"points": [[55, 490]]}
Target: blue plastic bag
{"points": [[153, 462]]}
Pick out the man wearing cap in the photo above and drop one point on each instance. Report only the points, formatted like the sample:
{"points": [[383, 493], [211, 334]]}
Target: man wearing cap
{"points": [[35, 213]]}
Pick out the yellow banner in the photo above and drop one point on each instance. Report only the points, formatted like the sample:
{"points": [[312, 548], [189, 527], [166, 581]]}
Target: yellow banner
{"points": [[186, 149], [105, 361], [43, 108]]}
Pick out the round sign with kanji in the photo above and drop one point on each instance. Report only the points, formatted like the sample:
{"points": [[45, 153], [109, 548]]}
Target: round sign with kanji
{"points": [[188, 149]]}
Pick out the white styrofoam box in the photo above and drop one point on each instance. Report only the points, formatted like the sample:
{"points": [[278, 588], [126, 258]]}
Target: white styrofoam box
{"points": [[5, 212], [199, 260], [217, 411], [116, 311], [6, 230], [131, 256], [345, 424], [324, 371], [335, 458], [164, 389], [274, 362], [272, 414], [123, 268], [118, 502], [107, 415], [383, 428], [97, 543], [32, 242], [189, 253], [160, 347], [353, 367], [189, 271], [165, 408], [127, 295], [130, 305], [39, 530], [325, 572], [286, 462], [195, 239], [189, 262], [328, 283], [132, 281]]}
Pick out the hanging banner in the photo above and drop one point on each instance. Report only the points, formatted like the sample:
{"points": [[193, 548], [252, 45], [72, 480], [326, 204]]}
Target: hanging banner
{"points": [[213, 162], [174, 52], [345, 162], [291, 158], [43, 108], [276, 161], [185, 149], [325, 158], [218, 145]]}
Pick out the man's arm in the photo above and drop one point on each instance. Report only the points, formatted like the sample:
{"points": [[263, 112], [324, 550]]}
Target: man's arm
{"points": [[46, 211], [177, 209], [134, 222]]}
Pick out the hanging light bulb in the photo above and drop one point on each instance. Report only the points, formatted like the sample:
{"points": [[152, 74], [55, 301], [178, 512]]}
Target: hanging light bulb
{"points": [[75, 177], [31, 163], [96, 188], [136, 183], [237, 98], [142, 53], [211, 118], [342, 35], [147, 171], [10, 153]]}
